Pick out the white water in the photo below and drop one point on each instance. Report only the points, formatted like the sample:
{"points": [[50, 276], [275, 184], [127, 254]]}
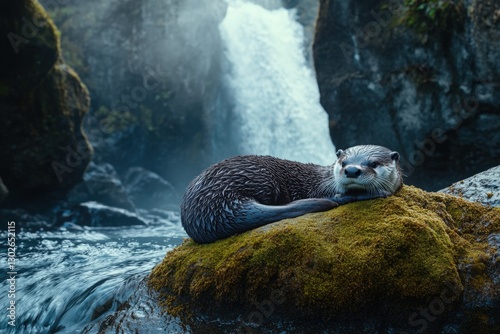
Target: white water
{"points": [[276, 96], [65, 277]]}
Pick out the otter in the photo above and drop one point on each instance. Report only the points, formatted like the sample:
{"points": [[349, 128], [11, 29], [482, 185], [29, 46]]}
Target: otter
{"points": [[246, 192]]}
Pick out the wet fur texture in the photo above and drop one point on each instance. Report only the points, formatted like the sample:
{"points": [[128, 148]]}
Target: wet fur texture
{"points": [[245, 192]]}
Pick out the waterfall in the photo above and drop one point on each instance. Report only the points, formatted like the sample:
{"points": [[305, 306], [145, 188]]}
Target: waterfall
{"points": [[275, 94]]}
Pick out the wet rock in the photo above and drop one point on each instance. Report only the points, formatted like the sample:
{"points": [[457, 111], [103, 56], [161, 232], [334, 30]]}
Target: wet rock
{"points": [[98, 215], [432, 94], [3, 191], [483, 187], [42, 104], [101, 184], [148, 190], [375, 266], [133, 310], [25, 219]]}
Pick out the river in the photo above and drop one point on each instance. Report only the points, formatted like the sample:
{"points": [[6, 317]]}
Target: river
{"points": [[67, 279]]}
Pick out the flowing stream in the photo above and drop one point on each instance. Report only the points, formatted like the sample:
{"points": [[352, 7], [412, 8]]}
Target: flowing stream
{"points": [[90, 279], [66, 279]]}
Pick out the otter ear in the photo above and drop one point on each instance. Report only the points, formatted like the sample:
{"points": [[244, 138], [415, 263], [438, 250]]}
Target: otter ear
{"points": [[339, 153], [395, 156]]}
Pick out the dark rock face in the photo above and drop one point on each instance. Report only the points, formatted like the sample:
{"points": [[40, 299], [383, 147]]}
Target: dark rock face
{"points": [[3, 191], [432, 96], [42, 103], [153, 74], [483, 187], [148, 190]]}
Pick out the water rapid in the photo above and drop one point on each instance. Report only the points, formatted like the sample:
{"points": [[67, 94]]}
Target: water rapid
{"points": [[67, 281], [274, 91]]}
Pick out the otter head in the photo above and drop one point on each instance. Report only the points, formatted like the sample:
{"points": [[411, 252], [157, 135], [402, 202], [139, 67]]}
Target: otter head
{"points": [[367, 169]]}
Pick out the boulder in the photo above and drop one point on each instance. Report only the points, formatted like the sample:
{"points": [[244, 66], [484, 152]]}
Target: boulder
{"points": [[42, 103], [412, 262], [98, 215], [26, 220], [483, 187], [148, 190], [101, 184]]}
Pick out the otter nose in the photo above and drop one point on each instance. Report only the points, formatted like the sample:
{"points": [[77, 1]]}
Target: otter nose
{"points": [[352, 172]]}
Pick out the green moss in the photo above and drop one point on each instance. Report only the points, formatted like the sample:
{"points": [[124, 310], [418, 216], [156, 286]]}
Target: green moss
{"points": [[4, 90], [72, 49], [404, 248], [146, 117], [46, 100], [427, 16], [115, 120]]}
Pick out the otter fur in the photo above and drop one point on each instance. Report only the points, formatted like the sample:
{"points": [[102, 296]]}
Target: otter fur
{"points": [[246, 192]]}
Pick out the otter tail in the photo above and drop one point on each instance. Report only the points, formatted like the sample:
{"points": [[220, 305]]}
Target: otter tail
{"points": [[254, 214], [250, 215]]}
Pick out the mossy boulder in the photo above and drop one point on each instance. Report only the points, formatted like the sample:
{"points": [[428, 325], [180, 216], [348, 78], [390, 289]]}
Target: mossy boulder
{"points": [[377, 262], [42, 104]]}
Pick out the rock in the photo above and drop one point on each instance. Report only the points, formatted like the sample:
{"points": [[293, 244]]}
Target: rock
{"points": [[95, 214], [3, 191], [431, 94], [306, 14], [373, 266], [137, 311], [101, 184], [26, 220], [148, 190], [483, 187], [42, 103]]}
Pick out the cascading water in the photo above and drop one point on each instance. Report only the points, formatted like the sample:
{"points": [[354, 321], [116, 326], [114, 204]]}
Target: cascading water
{"points": [[275, 95]]}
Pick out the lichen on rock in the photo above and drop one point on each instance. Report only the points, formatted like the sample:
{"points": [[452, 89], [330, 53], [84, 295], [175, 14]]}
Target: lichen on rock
{"points": [[382, 257]]}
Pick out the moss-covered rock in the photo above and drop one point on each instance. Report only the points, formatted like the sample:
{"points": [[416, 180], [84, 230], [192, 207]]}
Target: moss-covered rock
{"points": [[383, 258], [42, 103]]}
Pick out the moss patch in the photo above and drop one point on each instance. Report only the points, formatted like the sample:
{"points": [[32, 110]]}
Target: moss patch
{"points": [[403, 250], [428, 16]]}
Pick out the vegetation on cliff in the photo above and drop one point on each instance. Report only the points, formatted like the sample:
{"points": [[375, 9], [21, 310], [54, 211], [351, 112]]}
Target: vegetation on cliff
{"points": [[425, 16]]}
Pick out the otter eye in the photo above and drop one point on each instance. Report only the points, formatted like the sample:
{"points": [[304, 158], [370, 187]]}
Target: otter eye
{"points": [[373, 164]]}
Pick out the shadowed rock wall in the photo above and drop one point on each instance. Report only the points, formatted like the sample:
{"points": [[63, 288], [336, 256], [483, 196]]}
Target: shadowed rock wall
{"points": [[424, 83], [42, 103], [153, 71]]}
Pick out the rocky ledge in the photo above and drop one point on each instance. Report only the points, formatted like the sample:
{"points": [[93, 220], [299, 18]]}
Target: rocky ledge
{"points": [[483, 187], [413, 262]]}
